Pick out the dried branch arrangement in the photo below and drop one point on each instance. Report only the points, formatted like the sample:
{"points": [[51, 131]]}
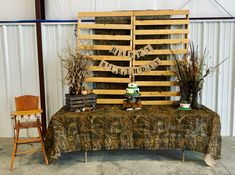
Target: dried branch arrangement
{"points": [[192, 67], [76, 65], [191, 71]]}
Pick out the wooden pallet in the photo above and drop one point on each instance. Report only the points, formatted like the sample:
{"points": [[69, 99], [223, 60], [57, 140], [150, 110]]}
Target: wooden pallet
{"points": [[163, 29]]}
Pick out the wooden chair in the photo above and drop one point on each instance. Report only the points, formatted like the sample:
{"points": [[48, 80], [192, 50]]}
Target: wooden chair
{"points": [[27, 106]]}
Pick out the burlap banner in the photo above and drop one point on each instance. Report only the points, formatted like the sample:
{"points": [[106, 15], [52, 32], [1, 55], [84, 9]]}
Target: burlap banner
{"points": [[129, 70], [132, 54]]}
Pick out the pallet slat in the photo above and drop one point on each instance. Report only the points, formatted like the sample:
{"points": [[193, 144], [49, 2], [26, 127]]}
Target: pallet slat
{"points": [[159, 94], [159, 102], [109, 101], [161, 12], [105, 37], [120, 101], [110, 58], [161, 41], [168, 52], [162, 63], [143, 94], [161, 32], [102, 47], [157, 73], [96, 14], [157, 83], [107, 80], [105, 26], [108, 91], [162, 22]]}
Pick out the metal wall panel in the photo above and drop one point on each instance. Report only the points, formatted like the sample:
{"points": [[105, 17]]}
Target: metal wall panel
{"points": [[61, 9], [55, 38], [219, 88], [18, 69], [19, 73]]}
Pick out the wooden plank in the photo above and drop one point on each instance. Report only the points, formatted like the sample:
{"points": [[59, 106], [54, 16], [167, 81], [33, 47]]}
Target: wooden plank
{"points": [[104, 26], [142, 94], [157, 83], [120, 101], [149, 73], [29, 140], [160, 12], [159, 94], [158, 102], [162, 22], [104, 37], [161, 41], [161, 32], [110, 58], [109, 91], [97, 68], [157, 73], [27, 112], [107, 80], [109, 101], [168, 52], [96, 14], [102, 47], [162, 63]]}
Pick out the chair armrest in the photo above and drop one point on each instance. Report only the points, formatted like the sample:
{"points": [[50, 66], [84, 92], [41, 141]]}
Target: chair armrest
{"points": [[29, 112]]}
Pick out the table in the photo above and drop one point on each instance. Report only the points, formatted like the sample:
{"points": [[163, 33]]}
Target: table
{"points": [[110, 127]]}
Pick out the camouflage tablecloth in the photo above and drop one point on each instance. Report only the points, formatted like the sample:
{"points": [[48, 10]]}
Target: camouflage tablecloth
{"points": [[154, 127]]}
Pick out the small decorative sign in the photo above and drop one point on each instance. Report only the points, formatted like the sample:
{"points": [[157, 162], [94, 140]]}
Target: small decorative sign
{"points": [[132, 54]]}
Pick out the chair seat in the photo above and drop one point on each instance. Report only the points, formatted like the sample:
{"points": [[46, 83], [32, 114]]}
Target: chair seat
{"points": [[29, 140], [24, 125]]}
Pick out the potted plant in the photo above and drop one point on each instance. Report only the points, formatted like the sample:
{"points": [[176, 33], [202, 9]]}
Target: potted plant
{"points": [[77, 65], [191, 71]]}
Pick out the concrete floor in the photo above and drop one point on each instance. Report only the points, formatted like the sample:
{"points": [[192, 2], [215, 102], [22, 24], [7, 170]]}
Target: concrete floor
{"points": [[131, 162]]}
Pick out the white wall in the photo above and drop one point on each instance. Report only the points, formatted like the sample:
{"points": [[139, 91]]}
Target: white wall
{"points": [[67, 9], [18, 69], [17, 10], [61, 9]]}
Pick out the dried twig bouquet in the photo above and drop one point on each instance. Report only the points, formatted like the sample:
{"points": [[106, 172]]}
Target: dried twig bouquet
{"points": [[191, 71], [76, 65]]}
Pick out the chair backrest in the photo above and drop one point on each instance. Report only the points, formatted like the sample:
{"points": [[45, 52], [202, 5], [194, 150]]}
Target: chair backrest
{"points": [[27, 102]]}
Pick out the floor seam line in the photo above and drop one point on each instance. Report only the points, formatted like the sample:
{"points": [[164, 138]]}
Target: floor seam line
{"points": [[225, 168]]}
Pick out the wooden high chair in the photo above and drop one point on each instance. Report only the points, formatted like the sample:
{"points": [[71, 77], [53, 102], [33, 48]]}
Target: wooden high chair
{"points": [[27, 106]]}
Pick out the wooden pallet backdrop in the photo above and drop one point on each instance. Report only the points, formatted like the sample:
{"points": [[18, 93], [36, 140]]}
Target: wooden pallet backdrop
{"points": [[165, 30]]}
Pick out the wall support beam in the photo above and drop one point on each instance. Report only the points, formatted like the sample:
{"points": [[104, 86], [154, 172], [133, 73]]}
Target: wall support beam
{"points": [[40, 15]]}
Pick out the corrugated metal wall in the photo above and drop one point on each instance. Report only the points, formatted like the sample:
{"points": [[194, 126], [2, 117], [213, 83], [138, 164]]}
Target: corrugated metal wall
{"points": [[18, 69], [19, 75], [219, 88]]}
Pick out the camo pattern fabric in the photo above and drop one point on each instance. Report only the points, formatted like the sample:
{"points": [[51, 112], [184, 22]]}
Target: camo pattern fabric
{"points": [[153, 127]]}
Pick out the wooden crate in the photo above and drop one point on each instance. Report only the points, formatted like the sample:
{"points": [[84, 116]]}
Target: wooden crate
{"points": [[74, 102], [175, 31]]}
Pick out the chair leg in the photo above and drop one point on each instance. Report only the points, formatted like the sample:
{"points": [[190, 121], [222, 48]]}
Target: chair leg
{"points": [[183, 155], [15, 148], [85, 156], [43, 147]]}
